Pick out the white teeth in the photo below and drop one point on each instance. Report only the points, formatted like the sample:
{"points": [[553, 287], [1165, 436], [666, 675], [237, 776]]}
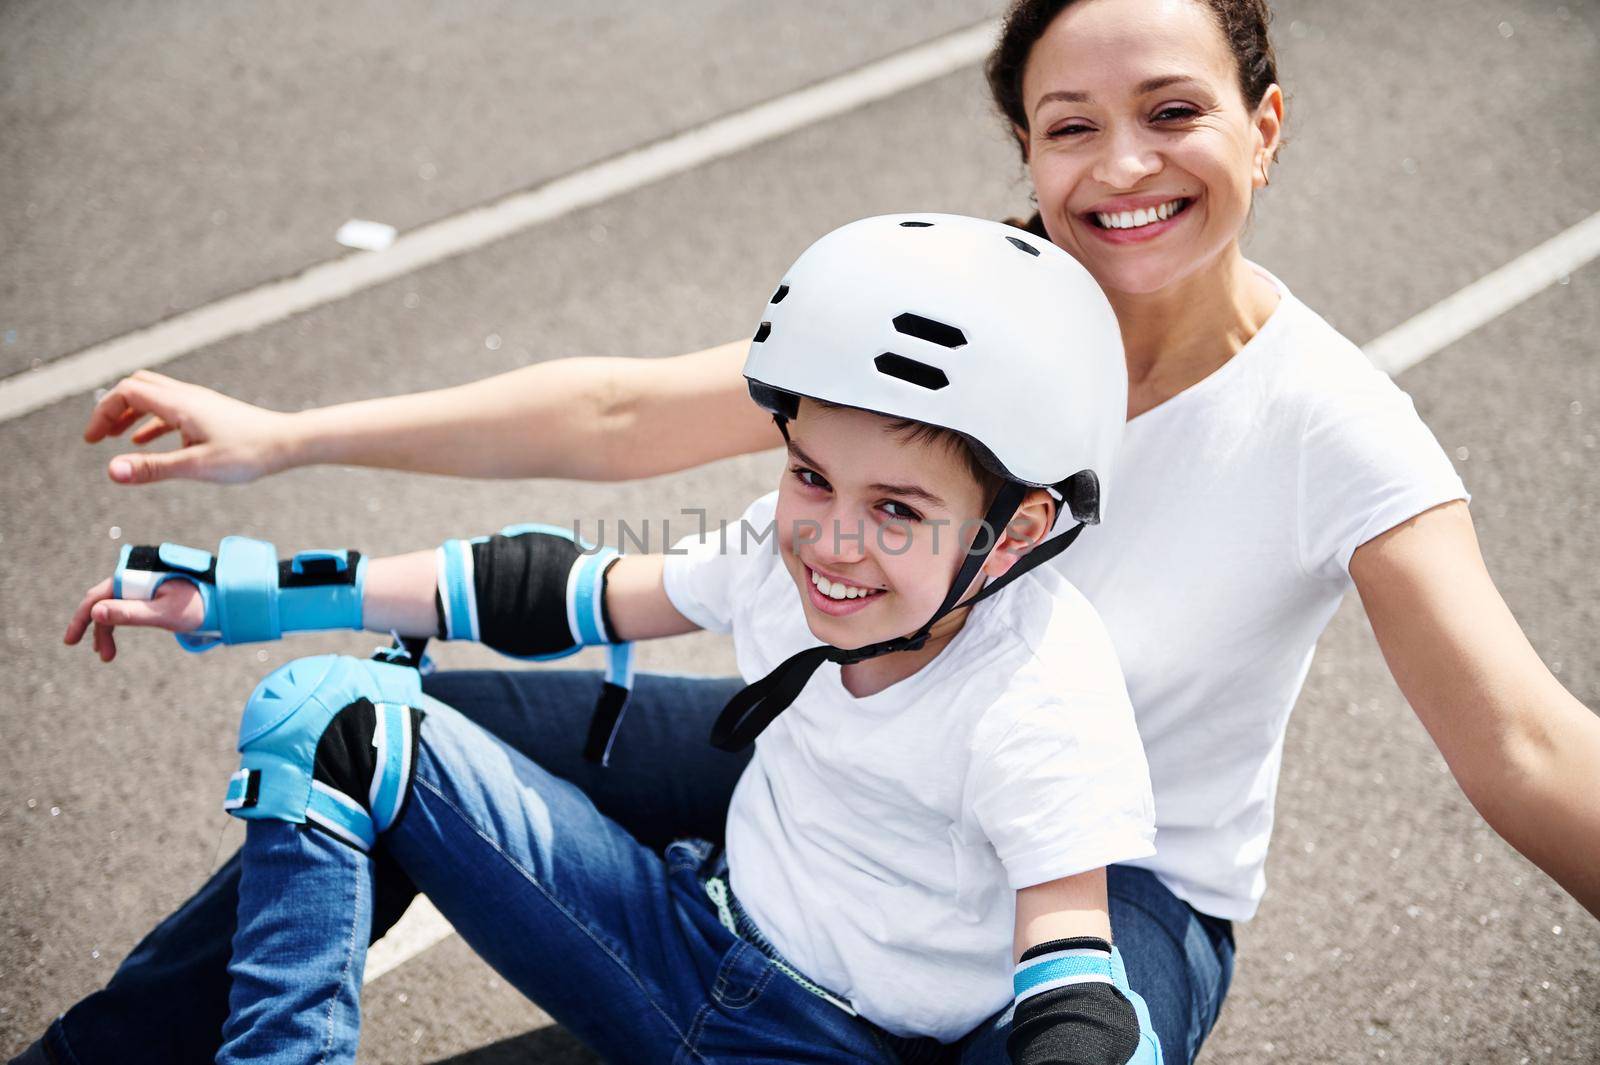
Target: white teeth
{"points": [[836, 590], [1142, 217]]}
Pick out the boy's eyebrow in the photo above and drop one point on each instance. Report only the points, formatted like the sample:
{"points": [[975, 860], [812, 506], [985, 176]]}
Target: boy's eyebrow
{"points": [[909, 491]]}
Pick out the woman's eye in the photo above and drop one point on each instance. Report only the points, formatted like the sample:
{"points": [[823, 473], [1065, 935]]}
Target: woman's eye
{"points": [[806, 477], [1069, 130], [1176, 113], [908, 515]]}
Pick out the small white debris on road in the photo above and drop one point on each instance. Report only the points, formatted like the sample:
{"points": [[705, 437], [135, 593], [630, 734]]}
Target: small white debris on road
{"points": [[368, 236]]}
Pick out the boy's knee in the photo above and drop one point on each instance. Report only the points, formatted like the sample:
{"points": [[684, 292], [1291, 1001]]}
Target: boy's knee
{"points": [[329, 741]]}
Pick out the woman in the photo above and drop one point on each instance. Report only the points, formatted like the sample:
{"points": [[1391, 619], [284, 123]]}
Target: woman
{"points": [[1276, 470]]}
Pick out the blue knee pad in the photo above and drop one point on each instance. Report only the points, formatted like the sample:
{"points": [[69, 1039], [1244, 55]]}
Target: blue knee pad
{"points": [[329, 741]]}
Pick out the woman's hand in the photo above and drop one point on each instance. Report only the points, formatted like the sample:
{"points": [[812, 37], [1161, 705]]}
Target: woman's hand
{"points": [[224, 440], [177, 607]]}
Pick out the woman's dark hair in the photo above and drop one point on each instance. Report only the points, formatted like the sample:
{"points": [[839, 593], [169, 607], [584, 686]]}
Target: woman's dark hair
{"points": [[1243, 24]]}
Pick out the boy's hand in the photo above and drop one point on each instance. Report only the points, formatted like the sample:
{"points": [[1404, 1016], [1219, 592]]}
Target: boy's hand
{"points": [[176, 607]]}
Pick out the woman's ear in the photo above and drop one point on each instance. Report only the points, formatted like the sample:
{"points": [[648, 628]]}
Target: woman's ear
{"points": [[1028, 526], [1268, 122], [1022, 141]]}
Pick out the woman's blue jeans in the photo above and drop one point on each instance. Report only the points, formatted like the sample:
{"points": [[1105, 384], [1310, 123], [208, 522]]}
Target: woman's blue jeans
{"points": [[550, 867]]}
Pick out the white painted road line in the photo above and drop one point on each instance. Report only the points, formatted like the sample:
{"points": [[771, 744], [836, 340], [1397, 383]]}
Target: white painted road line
{"points": [[1486, 298], [476, 227]]}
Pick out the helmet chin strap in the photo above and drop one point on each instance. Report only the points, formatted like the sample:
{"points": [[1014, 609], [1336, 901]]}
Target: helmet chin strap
{"points": [[758, 704]]}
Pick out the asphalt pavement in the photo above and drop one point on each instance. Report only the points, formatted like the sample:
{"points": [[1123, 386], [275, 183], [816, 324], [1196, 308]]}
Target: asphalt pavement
{"points": [[155, 157]]}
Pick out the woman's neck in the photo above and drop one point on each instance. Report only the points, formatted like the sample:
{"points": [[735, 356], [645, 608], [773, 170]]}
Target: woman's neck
{"points": [[1182, 333]]}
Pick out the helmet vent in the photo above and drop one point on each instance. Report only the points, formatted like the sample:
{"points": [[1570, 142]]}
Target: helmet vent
{"points": [[777, 297], [1023, 246], [917, 225], [914, 325], [764, 331], [910, 370]]}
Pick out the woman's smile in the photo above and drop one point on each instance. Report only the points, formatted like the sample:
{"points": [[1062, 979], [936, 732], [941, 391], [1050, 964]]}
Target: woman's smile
{"points": [[1132, 220]]}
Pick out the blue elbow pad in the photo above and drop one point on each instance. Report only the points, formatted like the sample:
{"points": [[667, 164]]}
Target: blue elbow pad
{"points": [[537, 592], [248, 593]]}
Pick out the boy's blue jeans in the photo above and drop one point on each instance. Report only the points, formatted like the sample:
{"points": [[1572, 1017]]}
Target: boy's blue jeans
{"points": [[575, 907]]}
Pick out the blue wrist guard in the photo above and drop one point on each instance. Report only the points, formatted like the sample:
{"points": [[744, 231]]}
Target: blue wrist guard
{"points": [[249, 595], [1074, 1006], [537, 592]]}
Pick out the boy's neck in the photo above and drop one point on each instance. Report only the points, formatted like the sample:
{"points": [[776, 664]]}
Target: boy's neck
{"points": [[875, 674]]}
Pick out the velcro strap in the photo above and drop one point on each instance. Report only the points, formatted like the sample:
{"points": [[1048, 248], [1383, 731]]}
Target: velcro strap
{"points": [[244, 788], [247, 587], [325, 592], [1059, 968], [457, 591], [585, 596], [341, 815], [391, 743]]}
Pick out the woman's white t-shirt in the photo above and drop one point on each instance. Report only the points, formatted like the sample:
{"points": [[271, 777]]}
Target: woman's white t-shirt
{"points": [[879, 841], [1230, 523]]}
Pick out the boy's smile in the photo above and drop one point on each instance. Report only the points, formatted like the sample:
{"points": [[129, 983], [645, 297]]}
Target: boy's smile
{"points": [[856, 509], [836, 597], [873, 526]]}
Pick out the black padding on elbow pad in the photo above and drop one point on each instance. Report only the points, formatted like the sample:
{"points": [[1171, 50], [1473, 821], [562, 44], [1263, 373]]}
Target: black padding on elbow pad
{"points": [[521, 586], [1081, 1024]]}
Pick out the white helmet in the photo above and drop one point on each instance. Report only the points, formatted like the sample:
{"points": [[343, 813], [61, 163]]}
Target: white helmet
{"points": [[971, 325]]}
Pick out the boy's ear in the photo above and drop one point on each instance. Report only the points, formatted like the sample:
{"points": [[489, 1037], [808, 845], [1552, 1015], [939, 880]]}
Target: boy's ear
{"points": [[1028, 526]]}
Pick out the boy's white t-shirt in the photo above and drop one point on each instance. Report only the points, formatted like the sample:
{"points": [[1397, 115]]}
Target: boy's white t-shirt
{"points": [[1231, 519], [878, 842]]}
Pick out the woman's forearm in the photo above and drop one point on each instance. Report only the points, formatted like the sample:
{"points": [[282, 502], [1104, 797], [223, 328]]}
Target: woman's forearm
{"points": [[582, 419], [1523, 749], [1546, 800]]}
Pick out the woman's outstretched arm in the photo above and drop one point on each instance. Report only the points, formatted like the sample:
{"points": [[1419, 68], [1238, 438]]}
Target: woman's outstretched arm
{"points": [[603, 419], [1525, 751]]}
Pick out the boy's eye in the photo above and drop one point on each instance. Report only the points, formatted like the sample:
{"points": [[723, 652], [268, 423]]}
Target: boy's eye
{"points": [[908, 515], [810, 478], [1068, 130]]}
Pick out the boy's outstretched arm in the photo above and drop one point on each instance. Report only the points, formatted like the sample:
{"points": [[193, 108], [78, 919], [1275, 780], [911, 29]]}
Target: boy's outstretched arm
{"points": [[399, 594], [1073, 1003]]}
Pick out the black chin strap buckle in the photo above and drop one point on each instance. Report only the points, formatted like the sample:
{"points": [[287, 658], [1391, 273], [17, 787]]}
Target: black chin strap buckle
{"points": [[874, 650]]}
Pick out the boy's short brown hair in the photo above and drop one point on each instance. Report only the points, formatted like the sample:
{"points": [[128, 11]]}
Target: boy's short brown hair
{"points": [[913, 431]]}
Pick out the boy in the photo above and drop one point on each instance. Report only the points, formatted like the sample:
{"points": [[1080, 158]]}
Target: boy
{"points": [[938, 787]]}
